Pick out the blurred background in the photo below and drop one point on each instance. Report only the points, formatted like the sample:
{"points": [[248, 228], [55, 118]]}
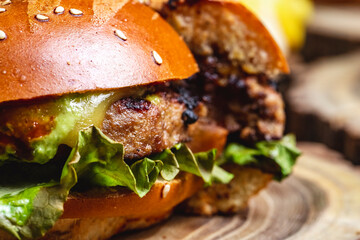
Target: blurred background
{"points": [[321, 39]]}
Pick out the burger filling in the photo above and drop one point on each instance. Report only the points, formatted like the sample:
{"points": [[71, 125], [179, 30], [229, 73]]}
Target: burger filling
{"points": [[248, 105], [127, 138]]}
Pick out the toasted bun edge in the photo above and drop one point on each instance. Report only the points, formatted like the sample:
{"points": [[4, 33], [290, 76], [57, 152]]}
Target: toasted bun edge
{"points": [[79, 53]]}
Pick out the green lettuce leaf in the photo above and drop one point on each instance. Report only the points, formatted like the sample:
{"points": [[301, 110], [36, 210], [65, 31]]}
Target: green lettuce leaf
{"points": [[221, 176], [31, 204], [277, 157], [197, 164], [171, 166], [99, 161]]}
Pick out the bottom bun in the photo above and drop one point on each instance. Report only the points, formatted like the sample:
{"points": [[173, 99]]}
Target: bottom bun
{"points": [[97, 214], [115, 202], [94, 228], [228, 198], [103, 212], [99, 228]]}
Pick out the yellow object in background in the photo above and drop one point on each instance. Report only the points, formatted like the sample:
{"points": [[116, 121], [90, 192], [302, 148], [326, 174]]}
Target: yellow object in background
{"points": [[285, 19]]}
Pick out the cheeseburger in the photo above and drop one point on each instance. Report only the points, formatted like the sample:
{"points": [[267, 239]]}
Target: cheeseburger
{"points": [[111, 117]]}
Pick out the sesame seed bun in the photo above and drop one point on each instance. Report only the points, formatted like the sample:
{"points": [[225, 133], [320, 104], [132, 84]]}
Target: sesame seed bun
{"points": [[44, 53]]}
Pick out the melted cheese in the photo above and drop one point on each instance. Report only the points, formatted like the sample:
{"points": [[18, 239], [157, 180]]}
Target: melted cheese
{"points": [[89, 110]]}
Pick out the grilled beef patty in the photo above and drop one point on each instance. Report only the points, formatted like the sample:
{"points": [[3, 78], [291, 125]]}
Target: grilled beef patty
{"points": [[146, 127]]}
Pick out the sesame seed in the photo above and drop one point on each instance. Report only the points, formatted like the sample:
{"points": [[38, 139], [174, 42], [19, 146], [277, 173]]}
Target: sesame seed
{"points": [[2, 10], [42, 18], [155, 16], [59, 10], [120, 34], [263, 55], [22, 78], [157, 57], [145, 2], [2, 35], [165, 190], [76, 12], [6, 2]]}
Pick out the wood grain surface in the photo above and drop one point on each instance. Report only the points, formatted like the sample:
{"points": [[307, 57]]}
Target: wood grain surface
{"points": [[324, 103], [321, 200], [332, 30]]}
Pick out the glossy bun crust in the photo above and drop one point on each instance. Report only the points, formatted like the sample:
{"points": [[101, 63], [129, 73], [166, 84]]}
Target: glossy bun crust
{"points": [[77, 53], [102, 203]]}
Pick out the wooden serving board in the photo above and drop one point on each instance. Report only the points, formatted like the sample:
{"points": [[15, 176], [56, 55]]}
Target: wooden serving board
{"points": [[324, 103], [321, 200], [333, 29]]}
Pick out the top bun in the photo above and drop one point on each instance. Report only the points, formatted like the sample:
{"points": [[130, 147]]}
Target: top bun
{"points": [[78, 48]]}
